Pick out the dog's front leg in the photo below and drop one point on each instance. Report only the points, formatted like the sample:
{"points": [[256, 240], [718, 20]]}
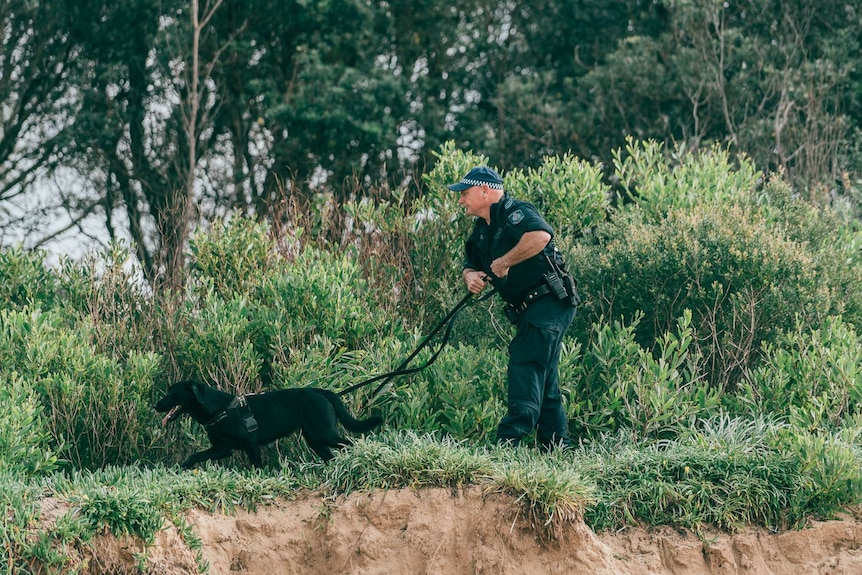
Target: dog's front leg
{"points": [[213, 453]]}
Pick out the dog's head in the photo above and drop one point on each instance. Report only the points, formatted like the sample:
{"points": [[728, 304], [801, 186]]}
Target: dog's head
{"points": [[183, 397]]}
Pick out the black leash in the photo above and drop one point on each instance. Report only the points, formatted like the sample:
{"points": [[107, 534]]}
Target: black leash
{"points": [[448, 321]]}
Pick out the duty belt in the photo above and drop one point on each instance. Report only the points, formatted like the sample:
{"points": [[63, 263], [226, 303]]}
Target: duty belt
{"points": [[531, 297]]}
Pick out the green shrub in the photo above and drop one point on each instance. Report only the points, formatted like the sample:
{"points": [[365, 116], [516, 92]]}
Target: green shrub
{"points": [[26, 280], [218, 343], [26, 445], [841, 260], [619, 385], [324, 293], [97, 409], [812, 377], [462, 394], [700, 234], [743, 280], [830, 468], [232, 257], [106, 291], [658, 185], [832, 242]]}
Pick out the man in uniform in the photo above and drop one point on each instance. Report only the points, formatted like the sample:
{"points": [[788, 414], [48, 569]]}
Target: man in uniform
{"points": [[512, 246]]}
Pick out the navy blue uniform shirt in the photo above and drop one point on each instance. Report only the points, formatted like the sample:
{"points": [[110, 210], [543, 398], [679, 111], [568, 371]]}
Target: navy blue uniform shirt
{"points": [[510, 220]]}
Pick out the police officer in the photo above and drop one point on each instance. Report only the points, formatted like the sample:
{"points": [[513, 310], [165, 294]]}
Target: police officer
{"points": [[512, 246]]}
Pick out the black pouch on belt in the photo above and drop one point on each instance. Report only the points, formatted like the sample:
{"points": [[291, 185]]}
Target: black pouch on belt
{"points": [[512, 314]]}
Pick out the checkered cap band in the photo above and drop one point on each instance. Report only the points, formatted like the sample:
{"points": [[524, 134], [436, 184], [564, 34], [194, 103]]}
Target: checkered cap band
{"points": [[472, 182]]}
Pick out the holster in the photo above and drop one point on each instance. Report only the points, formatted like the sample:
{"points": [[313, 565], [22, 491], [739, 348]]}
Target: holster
{"points": [[512, 314], [563, 285], [571, 284]]}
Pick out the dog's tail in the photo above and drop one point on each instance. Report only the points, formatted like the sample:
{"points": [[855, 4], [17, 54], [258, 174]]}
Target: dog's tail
{"points": [[347, 420]]}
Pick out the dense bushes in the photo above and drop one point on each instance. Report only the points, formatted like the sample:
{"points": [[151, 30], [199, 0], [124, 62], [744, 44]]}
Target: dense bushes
{"points": [[94, 407], [748, 260], [707, 291], [712, 375]]}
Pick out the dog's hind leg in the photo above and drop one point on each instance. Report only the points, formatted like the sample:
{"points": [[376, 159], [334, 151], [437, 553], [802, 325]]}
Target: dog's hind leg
{"points": [[344, 416], [253, 452], [318, 445], [212, 453], [322, 450]]}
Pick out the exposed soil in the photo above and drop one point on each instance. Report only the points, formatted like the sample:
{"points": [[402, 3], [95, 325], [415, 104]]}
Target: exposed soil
{"points": [[436, 531]]}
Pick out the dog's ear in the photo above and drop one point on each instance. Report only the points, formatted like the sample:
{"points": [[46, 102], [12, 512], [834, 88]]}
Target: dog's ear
{"points": [[198, 390], [204, 395]]}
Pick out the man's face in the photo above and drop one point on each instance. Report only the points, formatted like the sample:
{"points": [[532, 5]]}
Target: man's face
{"points": [[474, 200]]}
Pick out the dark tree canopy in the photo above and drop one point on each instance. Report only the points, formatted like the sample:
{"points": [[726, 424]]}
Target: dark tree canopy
{"points": [[352, 95]]}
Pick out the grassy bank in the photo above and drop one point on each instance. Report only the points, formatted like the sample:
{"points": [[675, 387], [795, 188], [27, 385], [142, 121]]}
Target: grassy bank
{"points": [[727, 474]]}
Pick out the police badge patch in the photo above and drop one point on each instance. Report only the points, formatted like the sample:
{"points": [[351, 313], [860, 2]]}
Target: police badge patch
{"points": [[516, 217]]}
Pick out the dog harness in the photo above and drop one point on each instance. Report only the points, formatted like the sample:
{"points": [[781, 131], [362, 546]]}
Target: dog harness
{"points": [[240, 405]]}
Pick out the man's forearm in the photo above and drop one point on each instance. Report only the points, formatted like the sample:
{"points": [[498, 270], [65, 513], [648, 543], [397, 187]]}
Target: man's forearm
{"points": [[529, 245]]}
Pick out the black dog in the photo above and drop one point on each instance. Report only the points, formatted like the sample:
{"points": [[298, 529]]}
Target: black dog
{"points": [[249, 421]]}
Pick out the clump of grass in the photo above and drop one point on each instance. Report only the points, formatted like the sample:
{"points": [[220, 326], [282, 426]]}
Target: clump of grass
{"points": [[406, 459], [729, 473], [551, 496], [683, 485]]}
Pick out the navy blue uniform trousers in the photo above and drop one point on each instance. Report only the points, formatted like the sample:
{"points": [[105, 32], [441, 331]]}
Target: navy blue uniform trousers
{"points": [[534, 398]]}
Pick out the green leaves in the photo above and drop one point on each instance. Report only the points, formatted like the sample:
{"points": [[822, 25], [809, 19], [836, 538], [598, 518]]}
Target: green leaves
{"points": [[232, 256], [568, 191], [813, 377], [461, 394], [26, 280], [699, 237], [657, 186], [26, 446], [619, 385]]}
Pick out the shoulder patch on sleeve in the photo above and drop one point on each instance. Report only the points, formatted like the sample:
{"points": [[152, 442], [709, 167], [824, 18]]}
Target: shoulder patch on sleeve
{"points": [[516, 217]]}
